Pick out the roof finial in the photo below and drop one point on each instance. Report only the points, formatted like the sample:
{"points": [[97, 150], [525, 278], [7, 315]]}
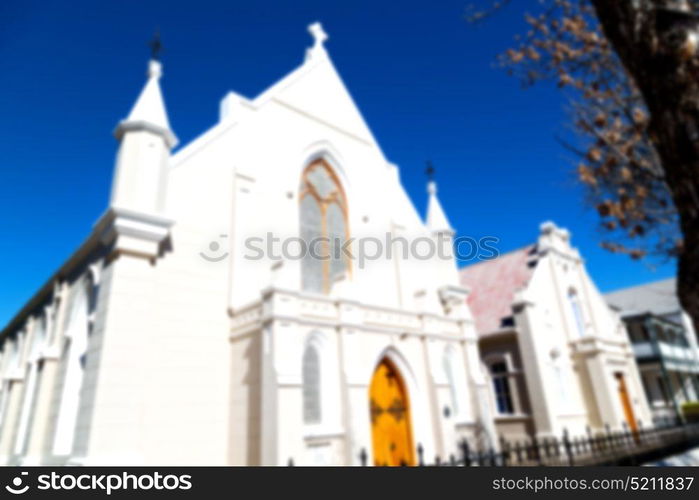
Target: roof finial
{"points": [[319, 36], [429, 172], [155, 68], [156, 46]]}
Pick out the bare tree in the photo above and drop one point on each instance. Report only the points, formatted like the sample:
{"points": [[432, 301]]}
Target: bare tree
{"points": [[632, 70]]}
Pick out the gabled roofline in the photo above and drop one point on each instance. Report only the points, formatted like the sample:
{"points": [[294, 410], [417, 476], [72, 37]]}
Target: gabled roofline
{"points": [[75, 260]]}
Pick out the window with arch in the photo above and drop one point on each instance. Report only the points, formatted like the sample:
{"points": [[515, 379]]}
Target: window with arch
{"points": [[73, 360], [10, 363], [454, 372], [31, 386], [576, 307], [311, 386], [323, 224], [13, 363]]}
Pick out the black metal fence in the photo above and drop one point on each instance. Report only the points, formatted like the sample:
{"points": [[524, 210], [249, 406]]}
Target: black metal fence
{"points": [[605, 447]]}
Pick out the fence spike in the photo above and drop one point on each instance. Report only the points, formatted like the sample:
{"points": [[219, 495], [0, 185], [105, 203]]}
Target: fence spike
{"points": [[504, 451], [466, 452], [518, 452], [610, 437], [566, 444]]}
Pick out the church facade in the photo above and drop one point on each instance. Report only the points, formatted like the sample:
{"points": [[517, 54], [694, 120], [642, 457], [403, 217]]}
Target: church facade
{"points": [[169, 337]]}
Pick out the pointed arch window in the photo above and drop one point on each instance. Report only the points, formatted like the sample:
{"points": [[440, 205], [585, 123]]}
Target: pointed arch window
{"points": [[323, 224], [577, 311], [10, 363], [76, 342], [455, 373], [311, 386], [30, 392]]}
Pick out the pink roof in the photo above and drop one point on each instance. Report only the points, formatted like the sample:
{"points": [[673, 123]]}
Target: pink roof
{"points": [[493, 284]]}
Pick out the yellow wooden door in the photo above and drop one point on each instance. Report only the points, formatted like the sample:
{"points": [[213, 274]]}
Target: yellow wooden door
{"points": [[626, 403], [390, 417]]}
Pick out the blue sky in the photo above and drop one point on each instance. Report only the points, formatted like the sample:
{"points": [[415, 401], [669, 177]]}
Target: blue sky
{"points": [[423, 78]]}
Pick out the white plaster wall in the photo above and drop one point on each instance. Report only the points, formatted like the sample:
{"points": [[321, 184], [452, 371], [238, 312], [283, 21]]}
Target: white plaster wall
{"points": [[554, 331], [164, 364]]}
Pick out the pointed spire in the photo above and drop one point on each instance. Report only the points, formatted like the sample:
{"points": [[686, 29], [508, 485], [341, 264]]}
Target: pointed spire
{"points": [[149, 111], [437, 220]]}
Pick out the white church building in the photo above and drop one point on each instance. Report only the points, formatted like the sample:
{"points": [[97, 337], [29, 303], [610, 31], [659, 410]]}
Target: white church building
{"points": [[169, 338], [557, 355]]}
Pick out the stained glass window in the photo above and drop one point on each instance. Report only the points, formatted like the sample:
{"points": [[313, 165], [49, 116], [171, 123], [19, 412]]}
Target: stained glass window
{"points": [[323, 223]]}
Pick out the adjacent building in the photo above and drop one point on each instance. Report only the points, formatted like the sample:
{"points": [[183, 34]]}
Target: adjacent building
{"points": [[557, 356], [665, 345]]}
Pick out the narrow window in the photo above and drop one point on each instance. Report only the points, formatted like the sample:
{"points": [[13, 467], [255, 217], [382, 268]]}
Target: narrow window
{"points": [[73, 359], [9, 367], [577, 312], [456, 377], [501, 386], [311, 386], [30, 391]]}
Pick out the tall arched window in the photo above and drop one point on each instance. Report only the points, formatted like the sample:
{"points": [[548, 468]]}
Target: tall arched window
{"points": [[29, 397], [10, 364], [577, 311], [451, 379], [76, 336], [323, 223], [311, 386], [13, 361], [455, 373]]}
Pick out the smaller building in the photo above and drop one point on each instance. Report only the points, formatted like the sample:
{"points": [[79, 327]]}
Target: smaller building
{"points": [[557, 354], [664, 343]]}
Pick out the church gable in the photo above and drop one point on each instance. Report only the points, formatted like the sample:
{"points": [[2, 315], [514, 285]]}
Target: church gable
{"points": [[316, 90], [320, 93]]}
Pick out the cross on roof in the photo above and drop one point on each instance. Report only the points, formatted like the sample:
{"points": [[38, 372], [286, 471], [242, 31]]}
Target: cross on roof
{"points": [[156, 46], [319, 35], [429, 171]]}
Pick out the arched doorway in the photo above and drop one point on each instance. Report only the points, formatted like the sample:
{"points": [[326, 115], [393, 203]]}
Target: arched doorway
{"points": [[390, 417]]}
